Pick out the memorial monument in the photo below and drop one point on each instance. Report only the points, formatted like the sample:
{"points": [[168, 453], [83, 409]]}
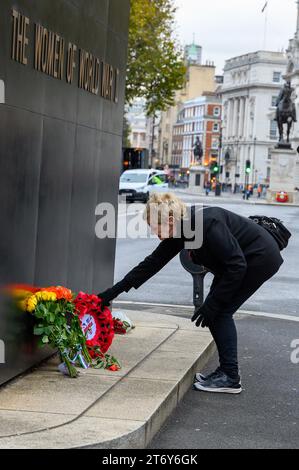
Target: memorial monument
{"points": [[62, 84]]}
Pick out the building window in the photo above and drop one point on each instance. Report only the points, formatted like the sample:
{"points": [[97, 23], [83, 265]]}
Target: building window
{"points": [[215, 143], [216, 111], [273, 130], [276, 77], [274, 101], [216, 127]]}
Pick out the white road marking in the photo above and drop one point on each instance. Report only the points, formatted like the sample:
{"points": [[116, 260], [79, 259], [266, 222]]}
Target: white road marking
{"points": [[188, 307]]}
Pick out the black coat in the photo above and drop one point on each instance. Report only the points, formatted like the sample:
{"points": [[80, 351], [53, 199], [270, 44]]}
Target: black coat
{"points": [[233, 246]]}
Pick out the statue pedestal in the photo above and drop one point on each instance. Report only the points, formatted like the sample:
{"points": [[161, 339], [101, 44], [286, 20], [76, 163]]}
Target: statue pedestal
{"points": [[197, 177], [284, 174]]}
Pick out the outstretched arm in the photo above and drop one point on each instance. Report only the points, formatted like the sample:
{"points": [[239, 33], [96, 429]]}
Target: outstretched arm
{"points": [[151, 265]]}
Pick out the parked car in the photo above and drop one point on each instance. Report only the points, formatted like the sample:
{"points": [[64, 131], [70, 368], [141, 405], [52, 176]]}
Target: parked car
{"points": [[137, 185]]}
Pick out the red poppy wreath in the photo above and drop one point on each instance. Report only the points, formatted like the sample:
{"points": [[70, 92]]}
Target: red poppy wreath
{"points": [[96, 322]]}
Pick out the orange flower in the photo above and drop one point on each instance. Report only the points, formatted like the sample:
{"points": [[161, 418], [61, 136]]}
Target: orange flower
{"points": [[61, 292]]}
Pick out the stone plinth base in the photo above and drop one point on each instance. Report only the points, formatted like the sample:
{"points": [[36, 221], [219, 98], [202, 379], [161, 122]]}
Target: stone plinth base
{"points": [[197, 177], [284, 174]]}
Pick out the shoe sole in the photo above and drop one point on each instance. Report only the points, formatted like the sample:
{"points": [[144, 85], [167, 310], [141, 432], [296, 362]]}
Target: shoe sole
{"points": [[202, 379], [199, 387]]}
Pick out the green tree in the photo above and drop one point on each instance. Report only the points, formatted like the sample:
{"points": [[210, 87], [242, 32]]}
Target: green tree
{"points": [[155, 61]]}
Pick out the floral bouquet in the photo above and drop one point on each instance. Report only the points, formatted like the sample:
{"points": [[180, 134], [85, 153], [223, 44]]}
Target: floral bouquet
{"points": [[122, 324], [79, 327], [98, 327], [57, 324]]}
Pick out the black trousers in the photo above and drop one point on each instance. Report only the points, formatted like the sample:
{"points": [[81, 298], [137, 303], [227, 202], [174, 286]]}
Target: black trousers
{"points": [[224, 329]]}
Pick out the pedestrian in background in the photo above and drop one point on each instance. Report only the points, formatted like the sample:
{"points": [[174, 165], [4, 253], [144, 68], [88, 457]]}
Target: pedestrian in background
{"points": [[207, 187]]}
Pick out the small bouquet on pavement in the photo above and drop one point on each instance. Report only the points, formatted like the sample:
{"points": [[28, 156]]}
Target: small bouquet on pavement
{"points": [[122, 323], [58, 325]]}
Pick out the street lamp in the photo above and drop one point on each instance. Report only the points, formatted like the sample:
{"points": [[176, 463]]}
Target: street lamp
{"points": [[253, 165], [153, 153], [226, 163], [218, 185], [236, 168]]}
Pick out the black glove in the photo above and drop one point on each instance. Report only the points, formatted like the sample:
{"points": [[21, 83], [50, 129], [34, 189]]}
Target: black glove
{"points": [[204, 316], [106, 297], [109, 294]]}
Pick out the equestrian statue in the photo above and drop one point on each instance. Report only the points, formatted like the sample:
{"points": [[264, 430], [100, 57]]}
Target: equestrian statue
{"points": [[285, 113]]}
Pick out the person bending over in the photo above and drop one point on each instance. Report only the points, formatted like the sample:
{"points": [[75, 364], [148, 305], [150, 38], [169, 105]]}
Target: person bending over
{"points": [[239, 253]]}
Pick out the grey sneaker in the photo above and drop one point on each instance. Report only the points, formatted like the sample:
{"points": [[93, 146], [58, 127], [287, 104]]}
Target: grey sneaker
{"points": [[199, 377], [219, 383]]}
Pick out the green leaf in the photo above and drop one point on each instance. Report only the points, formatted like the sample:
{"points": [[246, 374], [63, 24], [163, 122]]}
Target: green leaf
{"points": [[64, 335], [38, 331], [45, 339], [52, 317]]}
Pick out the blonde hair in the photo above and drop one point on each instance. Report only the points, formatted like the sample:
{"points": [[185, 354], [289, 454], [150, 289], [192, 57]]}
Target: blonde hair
{"points": [[161, 206]]}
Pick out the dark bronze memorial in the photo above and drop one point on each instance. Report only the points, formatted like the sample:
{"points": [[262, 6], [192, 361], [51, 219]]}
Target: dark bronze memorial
{"points": [[285, 114], [62, 82]]}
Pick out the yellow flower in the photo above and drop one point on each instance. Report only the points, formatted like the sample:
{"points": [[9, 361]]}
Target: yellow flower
{"points": [[31, 303], [49, 296], [45, 296], [39, 297]]}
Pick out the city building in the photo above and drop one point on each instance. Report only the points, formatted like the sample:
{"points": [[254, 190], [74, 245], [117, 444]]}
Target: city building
{"points": [[136, 116], [137, 154], [249, 93], [292, 74], [193, 54], [153, 131], [198, 118], [178, 142], [199, 79]]}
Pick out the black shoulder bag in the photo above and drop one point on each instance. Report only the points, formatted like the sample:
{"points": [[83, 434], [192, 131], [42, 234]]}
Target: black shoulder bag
{"points": [[275, 227]]}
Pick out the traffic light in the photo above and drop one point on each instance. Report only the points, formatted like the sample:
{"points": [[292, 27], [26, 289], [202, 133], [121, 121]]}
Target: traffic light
{"points": [[215, 168], [248, 166]]}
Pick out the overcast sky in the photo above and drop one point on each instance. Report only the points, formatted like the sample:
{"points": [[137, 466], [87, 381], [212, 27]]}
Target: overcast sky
{"points": [[228, 28]]}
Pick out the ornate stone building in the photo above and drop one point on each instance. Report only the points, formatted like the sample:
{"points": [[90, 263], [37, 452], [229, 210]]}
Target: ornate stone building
{"points": [[292, 74], [249, 92]]}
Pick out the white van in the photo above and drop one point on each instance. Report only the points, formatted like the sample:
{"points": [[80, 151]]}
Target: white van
{"points": [[137, 185]]}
